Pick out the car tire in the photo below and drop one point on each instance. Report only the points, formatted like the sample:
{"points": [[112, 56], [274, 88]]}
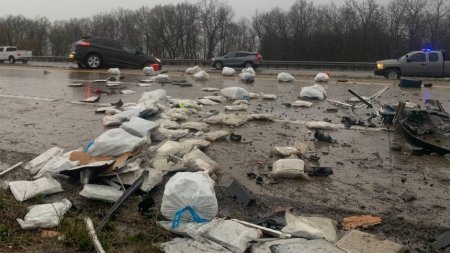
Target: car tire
{"points": [[392, 74], [93, 61], [218, 65], [248, 65], [11, 60]]}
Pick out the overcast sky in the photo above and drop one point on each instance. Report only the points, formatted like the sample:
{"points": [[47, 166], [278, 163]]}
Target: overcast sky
{"points": [[65, 9]]}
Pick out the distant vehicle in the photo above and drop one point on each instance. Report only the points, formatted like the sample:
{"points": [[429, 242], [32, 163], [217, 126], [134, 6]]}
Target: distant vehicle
{"points": [[97, 52], [425, 63], [237, 59], [11, 54]]}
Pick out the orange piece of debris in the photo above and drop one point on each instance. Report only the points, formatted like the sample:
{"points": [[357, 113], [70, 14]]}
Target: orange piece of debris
{"points": [[362, 221]]}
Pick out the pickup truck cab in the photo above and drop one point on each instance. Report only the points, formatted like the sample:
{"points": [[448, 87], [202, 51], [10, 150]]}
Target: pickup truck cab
{"points": [[425, 63], [11, 54]]}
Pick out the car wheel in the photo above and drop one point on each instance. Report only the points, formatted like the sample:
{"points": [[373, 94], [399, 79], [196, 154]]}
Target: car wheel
{"points": [[11, 60], [93, 61], [218, 65], [392, 74], [248, 65]]}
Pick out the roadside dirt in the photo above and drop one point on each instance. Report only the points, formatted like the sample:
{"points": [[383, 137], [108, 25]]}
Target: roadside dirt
{"points": [[368, 177]]}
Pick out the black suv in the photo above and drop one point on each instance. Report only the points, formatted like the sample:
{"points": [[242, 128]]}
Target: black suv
{"points": [[97, 52]]}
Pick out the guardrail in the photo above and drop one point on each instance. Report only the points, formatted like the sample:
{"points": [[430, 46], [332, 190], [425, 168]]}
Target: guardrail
{"points": [[266, 63]]}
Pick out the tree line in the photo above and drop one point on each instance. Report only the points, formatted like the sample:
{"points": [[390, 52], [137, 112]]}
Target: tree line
{"points": [[354, 31]]}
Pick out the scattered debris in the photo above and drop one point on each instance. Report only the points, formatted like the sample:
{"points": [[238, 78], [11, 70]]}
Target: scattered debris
{"points": [[128, 92], [101, 192], [321, 125], [301, 103], [356, 241], [93, 99], [408, 196], [235, 93], [209, 89], [323, 137], [240, 192], [313, 92], [45, 216], [319, 171], [226, 71], [296, 245], [285, 77], [76, 85], [148, 71], [288, 169], [404, 83], [201, 76], [193, 71], [23, 190], [322, 77], [93, 235], [442, 241], [235, 137], [362, 221], [311, 227], [10, 168], [240, 107]]}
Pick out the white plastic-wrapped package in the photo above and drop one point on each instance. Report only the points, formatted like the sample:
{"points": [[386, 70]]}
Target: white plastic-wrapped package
{"points": [[322, 77], [148, 71], [114, 71], [161, 78], [269, 96], [240, 107], [310, 227], [111, 121], [321, 125], [201, 76], [101, 192], [159, 95], [247, 77], [227, 119], [46, 215], [217, 135], [204, 101], [226, 71], [199, 126], [285, 77], [194, 70], [139, 127], [199, 161], [301, 103], [316, 91], [115, 142], [189, 197], [235, 93], [55, 165], [218, 99], [184, 245], [232, 235], [23, 190], [288, 168], [36, 164], [249, 70]]}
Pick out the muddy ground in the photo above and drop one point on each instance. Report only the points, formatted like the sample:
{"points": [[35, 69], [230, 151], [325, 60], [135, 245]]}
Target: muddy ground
{"points": [[368, 177]]}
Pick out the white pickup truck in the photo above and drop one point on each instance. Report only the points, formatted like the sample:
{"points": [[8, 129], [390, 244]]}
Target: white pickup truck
{"points": [[11, 54]]}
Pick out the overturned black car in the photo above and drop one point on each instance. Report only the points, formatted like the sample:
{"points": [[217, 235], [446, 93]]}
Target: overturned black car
{"points": [[97, 52]]}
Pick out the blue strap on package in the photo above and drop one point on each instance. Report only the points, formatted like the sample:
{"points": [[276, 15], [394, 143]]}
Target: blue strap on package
{"points": [[195, 217]]}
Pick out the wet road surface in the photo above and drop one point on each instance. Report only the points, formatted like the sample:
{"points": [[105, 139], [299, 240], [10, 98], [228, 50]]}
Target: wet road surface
{"points": [[368, 176]]}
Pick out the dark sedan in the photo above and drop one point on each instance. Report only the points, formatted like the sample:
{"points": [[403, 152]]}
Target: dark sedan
{"points": [[98, 52]]}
